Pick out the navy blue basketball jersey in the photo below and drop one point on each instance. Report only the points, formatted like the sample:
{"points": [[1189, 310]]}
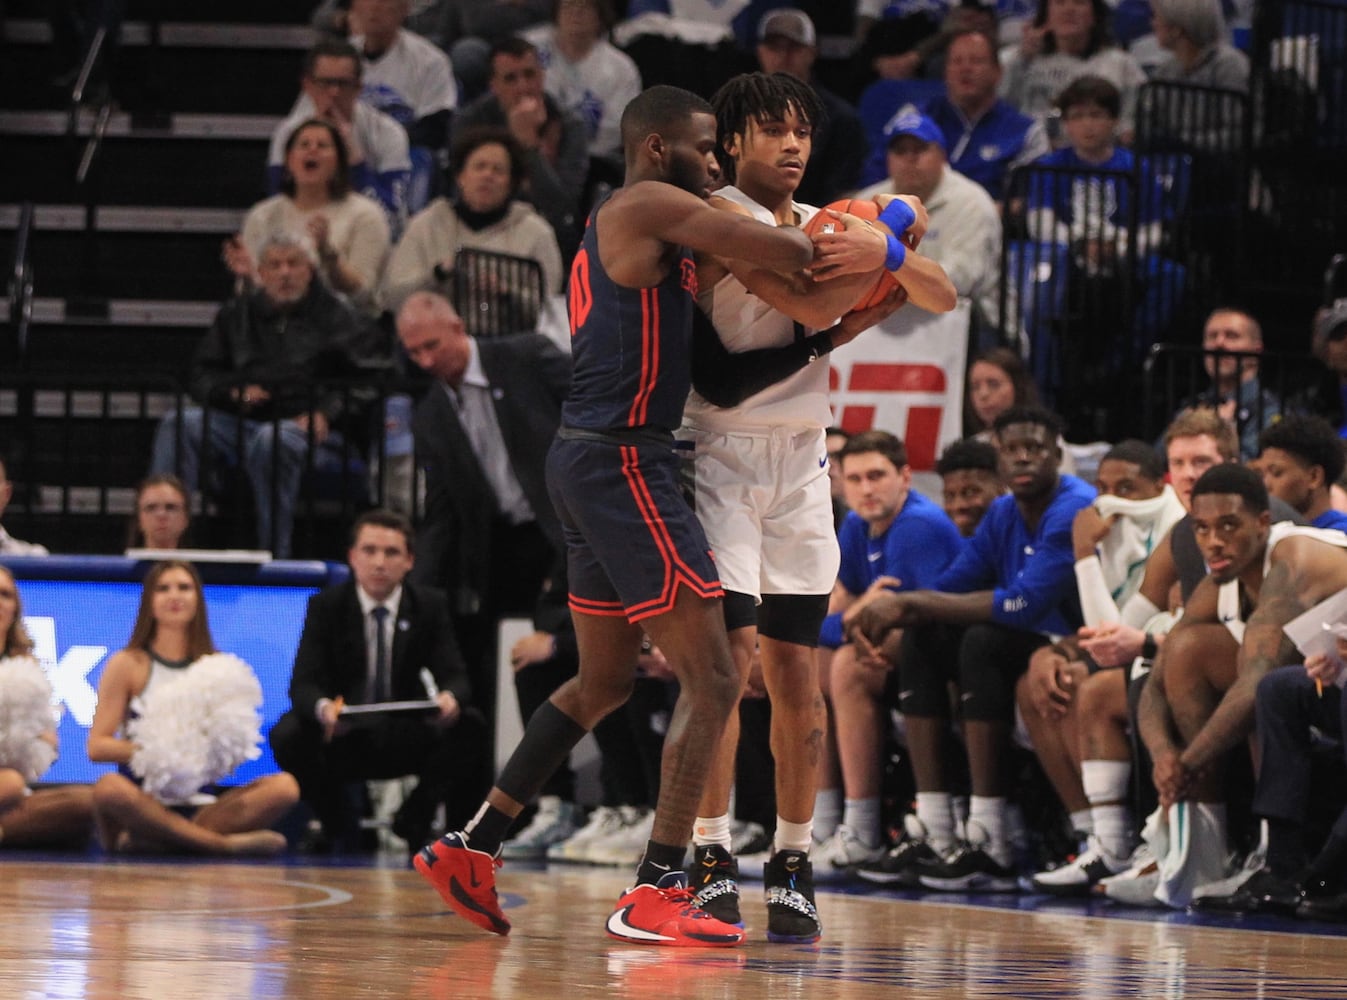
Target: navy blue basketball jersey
{"points": [[630, 346]]}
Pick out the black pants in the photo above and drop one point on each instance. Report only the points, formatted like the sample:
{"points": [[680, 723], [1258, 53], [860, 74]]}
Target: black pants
{"points": [[452, 765], [521, 558], [1288, 706], [983, 660]]}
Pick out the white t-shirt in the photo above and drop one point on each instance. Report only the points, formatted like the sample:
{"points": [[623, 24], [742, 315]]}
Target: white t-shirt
{"points": [[412, 80], [596, 89]]}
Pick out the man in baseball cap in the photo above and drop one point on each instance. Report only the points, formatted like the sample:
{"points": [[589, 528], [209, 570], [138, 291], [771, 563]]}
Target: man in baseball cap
{"points": [[910, 122], [964, 233], [788, 43], [789, 23]]}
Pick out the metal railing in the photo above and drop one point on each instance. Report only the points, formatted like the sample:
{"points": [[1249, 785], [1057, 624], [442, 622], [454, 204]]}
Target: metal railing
{"points": [[1091, 276], [87, 441], [20, 294], [497, 294], [1259, 387]]}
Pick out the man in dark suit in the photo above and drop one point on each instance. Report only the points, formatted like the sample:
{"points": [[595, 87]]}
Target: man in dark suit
{"points": [[482, 432], [378, 638]]}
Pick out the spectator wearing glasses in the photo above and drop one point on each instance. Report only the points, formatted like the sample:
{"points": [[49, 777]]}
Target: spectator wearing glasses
{"points": [[163, 513], [376, 145]]}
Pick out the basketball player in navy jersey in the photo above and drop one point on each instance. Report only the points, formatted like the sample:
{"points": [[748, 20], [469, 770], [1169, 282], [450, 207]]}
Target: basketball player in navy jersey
{"points": [[638, 559]]}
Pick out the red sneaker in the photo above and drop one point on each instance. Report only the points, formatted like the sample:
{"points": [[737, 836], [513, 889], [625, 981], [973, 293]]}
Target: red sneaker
{"points": [[465, 879], [668, 914]]}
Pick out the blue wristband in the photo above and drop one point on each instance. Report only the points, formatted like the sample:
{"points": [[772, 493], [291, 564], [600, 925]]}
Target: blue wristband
{"points": [[893, 260], [898, 216]]}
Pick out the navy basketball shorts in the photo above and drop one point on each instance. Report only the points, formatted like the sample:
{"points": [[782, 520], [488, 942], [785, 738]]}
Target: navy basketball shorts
{"points": [[631, 538]]}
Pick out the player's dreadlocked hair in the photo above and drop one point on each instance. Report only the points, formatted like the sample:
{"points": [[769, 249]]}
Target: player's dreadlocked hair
{"points": [[759, 97]]}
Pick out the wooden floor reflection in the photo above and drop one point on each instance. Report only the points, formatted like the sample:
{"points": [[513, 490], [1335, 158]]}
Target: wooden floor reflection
{"points": [[189, 931]]}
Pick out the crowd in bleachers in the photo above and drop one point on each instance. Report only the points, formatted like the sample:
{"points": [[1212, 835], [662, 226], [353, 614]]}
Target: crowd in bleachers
{"points": [[1063, 196]]}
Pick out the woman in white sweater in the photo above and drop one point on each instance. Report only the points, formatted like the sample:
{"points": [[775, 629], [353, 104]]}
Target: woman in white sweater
{"points": [[349, 232], [483, 213]]}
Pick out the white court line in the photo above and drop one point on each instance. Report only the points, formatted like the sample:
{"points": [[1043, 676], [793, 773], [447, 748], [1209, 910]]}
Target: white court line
{"points": [[330, 897]]}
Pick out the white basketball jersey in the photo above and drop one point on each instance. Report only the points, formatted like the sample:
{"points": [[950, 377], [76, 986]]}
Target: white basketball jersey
{"points": [[1227, 599], [745, 322]]}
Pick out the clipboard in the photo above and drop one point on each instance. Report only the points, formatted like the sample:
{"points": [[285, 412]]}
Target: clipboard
{"points": [[381, 707]]}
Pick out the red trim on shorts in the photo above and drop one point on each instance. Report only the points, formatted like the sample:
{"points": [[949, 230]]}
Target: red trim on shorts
{"points": [[640, 406], [606, 609], [637, 616], [676, 571]]}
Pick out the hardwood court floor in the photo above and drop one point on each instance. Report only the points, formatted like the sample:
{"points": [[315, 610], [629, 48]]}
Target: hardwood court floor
{"points": [[124, 930]]}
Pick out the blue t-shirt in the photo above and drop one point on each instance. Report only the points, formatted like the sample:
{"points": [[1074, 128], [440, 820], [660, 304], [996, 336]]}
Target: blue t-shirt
{"points": [[984, 150], [1032, 574], [916, 548], [1331, 519], [1103, 197]]}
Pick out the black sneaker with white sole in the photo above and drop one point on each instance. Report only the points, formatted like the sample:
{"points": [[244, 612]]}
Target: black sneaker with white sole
{"points": [[898, 866], [967, 868]]}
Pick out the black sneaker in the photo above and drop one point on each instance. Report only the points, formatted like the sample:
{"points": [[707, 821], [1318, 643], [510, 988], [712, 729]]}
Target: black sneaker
{"points": [[899, 865], [1262, 892], [714, 880], [968, 868], [788, 881]]}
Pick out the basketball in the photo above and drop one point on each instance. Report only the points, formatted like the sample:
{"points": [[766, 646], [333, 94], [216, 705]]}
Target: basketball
{"points": [[862, 209]]}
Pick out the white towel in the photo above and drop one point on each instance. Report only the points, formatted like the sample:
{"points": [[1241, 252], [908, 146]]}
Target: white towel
{"points": [[1189, 842], [1106, 580]]}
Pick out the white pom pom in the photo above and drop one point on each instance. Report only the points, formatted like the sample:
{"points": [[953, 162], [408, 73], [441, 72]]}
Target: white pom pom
{"points": [[25, 714], [198, 727]]}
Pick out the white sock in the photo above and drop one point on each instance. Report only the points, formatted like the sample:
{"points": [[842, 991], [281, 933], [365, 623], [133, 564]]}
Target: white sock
{"points": [[1113, 829], [712, 830], [1105, 783], [989, 812], [862, 816], [793, 836], [1082, 821], [936, 812], [827, 812]]}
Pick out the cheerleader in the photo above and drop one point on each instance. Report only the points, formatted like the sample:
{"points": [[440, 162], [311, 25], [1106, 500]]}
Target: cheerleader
{"points": [[171, 633], [56, 817]]}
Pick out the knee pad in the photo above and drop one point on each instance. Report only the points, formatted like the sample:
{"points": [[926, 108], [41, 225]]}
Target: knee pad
{"points": [[991, 660], [741, 610], [925, 659], [794, 618]]}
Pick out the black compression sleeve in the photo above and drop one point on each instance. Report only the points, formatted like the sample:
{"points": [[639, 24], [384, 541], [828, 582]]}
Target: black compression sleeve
{"points": [[727, 379]]}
